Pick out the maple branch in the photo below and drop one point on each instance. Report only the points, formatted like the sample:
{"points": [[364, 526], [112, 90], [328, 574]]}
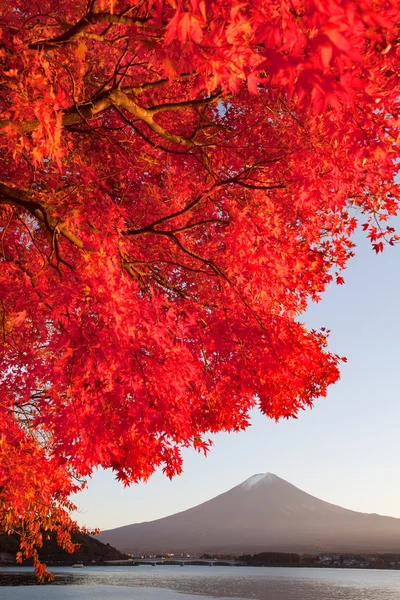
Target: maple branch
{"points": [[119, 98], [79, 29], [137, 89], [165, 283], [14, 197], [102, 101], [151, 228], [99, 37], [116, 98], [246, 172], [170, 262], [251, 186], [193, 225], [83, 112], [210, 263], [144, 136], [178, 213], [171, 235], [73, 115], [186, 104], [217, 270]]}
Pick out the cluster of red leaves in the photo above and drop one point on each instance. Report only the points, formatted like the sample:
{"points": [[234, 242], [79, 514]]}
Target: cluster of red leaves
{"points": [[34, 488], [178, 181]]}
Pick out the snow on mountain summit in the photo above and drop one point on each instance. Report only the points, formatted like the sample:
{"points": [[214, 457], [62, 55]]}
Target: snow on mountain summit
{"points": [[256, 479]]}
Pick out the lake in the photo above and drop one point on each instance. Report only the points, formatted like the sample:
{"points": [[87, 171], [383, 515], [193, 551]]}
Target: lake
{"points": [[189, 582]]}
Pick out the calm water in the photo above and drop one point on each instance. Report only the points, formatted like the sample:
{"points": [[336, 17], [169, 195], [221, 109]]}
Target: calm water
{"points": [[189, 582]]}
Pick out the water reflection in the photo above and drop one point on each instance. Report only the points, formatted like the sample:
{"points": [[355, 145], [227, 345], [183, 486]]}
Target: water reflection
{"points": [[163, 583]]}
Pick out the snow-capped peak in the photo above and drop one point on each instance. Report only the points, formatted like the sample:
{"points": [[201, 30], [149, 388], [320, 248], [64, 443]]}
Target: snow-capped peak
{"points": [[256, 479]]}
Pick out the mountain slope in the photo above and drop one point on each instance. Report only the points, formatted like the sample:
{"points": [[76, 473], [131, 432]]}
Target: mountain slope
{"points": [[263, 513]]}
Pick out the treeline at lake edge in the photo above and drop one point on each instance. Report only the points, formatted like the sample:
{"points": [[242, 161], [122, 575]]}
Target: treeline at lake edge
{"points": [[92, 551], [336, 560]]}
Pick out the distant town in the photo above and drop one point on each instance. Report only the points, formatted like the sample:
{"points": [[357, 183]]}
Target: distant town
{"points": [[272, 559], [263, 559]]}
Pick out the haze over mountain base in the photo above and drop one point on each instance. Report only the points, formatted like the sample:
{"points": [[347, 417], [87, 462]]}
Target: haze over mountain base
{"points": [[264, 513]]}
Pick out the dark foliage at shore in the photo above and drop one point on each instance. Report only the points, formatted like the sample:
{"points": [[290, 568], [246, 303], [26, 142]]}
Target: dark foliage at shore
{"points": [[89, 550], [273, 559], [285, 559]]}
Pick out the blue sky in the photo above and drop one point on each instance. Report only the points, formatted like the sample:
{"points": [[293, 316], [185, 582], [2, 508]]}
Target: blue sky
{"points": [[346, 450]]}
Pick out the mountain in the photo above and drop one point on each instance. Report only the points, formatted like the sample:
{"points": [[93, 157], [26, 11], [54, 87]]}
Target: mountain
{"points": [[264, 513]]}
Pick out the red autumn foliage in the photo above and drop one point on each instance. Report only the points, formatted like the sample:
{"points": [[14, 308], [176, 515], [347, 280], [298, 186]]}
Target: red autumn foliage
{"points": [[178, 180]]}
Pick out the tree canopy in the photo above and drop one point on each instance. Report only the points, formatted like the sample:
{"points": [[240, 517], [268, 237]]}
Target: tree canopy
{"points": [[178, 180]]}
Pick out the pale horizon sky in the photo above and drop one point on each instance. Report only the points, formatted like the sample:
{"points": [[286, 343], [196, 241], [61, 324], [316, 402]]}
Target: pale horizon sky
{"points": [[345, 451]]}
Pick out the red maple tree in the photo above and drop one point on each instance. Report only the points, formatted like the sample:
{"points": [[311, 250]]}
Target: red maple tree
{"points": [[178, 179]]}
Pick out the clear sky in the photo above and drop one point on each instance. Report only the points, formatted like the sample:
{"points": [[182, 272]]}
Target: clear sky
{"points": [[346, 450]]}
